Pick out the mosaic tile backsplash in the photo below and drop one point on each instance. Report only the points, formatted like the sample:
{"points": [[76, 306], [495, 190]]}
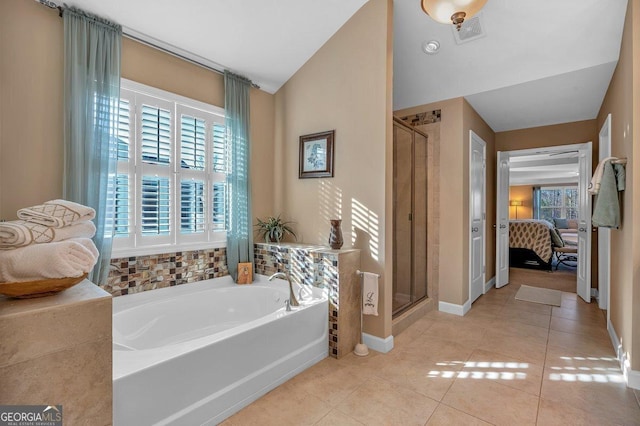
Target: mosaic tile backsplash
{"points": [[140, 273], [421, 118]]}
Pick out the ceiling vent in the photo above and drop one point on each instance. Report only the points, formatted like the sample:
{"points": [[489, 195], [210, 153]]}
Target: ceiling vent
{"points": [[471, 29]]}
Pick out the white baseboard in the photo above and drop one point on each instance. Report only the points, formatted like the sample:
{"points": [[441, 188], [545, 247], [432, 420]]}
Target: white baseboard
{"points": [[489, 284], [454, 309], [631, 377], [377, 343]]}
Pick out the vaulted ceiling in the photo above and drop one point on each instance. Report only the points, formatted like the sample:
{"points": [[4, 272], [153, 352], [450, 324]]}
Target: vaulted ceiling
{"points": [[265, 40], [538, 62]]}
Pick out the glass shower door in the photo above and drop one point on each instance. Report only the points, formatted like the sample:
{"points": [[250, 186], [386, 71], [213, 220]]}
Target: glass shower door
{"points": [[402, 182], [410, 217]]}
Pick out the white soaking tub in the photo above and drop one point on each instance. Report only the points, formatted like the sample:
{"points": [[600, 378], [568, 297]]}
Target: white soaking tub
{"points": [[196, 353]]}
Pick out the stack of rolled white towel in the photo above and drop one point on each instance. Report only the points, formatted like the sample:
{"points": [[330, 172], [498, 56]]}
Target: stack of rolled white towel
{"points": [[51, 240]]}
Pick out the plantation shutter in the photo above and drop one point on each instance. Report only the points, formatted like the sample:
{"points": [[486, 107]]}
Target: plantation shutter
{"points": [[192, 196], [169, 189], [155, 205], [192, 144], [219, 149], [156, 135], [120, 203], [218, 206]]}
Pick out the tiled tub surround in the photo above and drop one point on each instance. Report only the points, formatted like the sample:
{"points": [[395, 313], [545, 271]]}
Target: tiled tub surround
{"points": [[335, 270], [308, 264], [140, 273], [57, 350]]}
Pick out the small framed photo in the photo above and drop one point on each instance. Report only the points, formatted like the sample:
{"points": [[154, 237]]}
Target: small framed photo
{"points": [[316, 155]]}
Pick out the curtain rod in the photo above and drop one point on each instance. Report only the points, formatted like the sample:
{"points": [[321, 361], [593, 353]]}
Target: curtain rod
{"points": [[127, 32]]}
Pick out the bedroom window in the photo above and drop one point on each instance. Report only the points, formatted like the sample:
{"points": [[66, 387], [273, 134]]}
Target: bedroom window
{"points": [[170, 186], [556, 202]]}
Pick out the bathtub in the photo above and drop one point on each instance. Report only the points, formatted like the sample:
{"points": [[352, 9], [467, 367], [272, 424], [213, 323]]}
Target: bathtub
{"points": [[197, 353]]}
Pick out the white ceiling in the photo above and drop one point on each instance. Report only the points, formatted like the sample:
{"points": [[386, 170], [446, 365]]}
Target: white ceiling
{"points": [[264, 40], [544, 168], [541, 61]]}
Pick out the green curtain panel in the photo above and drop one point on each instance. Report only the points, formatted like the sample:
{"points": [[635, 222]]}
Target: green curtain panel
{"points": [[239, 235], [92, 48]]}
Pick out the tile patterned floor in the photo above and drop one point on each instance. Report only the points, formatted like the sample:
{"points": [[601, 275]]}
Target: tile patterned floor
{"points": [[507, 362]]}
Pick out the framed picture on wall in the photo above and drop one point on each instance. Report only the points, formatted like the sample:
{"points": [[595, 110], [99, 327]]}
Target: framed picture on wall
{"points": [[316, 155]]}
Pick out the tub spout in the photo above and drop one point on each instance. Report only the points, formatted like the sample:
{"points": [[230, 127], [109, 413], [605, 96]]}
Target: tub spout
{"points": [[285, 275]]}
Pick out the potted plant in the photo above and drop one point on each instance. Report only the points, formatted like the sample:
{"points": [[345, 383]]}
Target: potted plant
{"points": [[274, 229]]}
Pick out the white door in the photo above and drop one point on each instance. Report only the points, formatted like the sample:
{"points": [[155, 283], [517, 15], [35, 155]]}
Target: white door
{"points": [[584, 223], [477, 209], [604, 234], [502, 220]]}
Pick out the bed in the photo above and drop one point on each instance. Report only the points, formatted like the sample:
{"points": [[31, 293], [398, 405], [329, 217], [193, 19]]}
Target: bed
{"points": [[531, 244]]}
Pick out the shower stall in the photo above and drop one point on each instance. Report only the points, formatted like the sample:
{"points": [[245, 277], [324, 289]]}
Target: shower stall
{"points": [[410, 180]]}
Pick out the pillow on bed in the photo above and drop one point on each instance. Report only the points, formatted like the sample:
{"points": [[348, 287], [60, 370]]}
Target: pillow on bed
{"points": [[556, 239], [561, 223]]}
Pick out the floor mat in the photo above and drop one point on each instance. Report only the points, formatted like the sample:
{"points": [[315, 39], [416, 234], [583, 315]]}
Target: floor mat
{"points": [[539, 295]]}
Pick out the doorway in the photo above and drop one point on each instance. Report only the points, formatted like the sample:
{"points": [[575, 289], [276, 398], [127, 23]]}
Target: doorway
{"points": [[547, 157], [410, 218]]}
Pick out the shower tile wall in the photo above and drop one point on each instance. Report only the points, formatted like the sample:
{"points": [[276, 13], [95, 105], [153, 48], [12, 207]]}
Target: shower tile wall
{"points": [[422, 118], [140, 273]]}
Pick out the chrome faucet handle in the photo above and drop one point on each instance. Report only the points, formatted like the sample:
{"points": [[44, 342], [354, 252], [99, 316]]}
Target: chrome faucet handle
{"points": [[287, 305]]}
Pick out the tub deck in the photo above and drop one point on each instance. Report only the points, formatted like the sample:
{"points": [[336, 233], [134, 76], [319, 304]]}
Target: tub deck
{"points": [[197, 353]]}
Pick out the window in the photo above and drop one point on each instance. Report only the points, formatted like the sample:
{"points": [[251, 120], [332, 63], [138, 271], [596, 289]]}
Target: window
{"points": [[171, 176], [557, 202]]}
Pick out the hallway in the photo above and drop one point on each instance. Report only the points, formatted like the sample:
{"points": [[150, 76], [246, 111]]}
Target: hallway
{"points": [[506, 362]]}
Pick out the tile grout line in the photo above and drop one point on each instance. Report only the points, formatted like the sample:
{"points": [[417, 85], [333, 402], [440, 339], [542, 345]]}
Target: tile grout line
{"points": [[544, 364]]}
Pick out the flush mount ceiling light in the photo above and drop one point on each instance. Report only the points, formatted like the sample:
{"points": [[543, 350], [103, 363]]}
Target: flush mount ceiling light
{"points": [[454, 11], [431, 47]]}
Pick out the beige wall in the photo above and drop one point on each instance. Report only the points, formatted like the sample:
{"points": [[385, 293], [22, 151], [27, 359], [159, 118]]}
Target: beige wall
{"points": [[622, 101], [522, 193], [31, 84], [31, 75], [544, 136], [343, 87]]}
